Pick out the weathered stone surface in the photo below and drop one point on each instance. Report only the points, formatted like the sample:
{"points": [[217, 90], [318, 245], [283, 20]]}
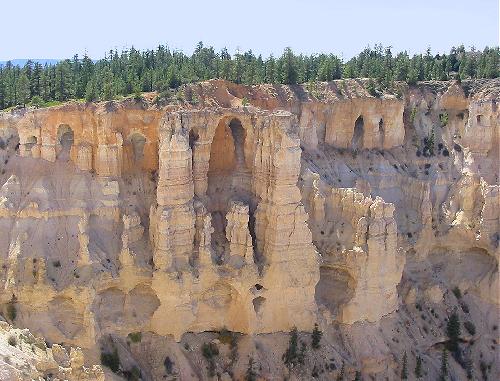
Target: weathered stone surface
{"points": [[315, 204]]}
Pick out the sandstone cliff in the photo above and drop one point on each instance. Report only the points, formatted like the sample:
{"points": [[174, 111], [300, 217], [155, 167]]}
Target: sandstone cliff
{"points": [[256, 210]]}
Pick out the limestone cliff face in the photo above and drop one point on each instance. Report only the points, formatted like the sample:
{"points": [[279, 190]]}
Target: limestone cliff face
{"points": [[314, 204]]}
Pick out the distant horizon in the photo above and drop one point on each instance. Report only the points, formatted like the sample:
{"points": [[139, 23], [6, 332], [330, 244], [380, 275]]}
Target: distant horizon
{"points": [[54, 30]]}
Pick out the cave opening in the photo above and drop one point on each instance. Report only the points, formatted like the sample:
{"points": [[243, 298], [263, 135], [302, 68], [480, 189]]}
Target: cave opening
{"points": [[66, 139], [258, 303], [193, 138], [358, 134], [137, 141], [334, 289], [31, 141]]}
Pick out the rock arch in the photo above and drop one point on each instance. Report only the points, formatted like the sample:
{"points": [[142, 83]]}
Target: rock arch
{"points": [[229, 177]]}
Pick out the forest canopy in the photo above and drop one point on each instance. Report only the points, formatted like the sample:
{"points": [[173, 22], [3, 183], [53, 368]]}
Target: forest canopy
{"points": [[133, 71]]}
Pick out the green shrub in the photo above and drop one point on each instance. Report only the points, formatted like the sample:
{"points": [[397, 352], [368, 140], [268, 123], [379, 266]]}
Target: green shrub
{"points": [[457, 293], [429, 145], [250, 374], [413, 114], [209, 350], [11, 310], [12, 341], [372, 90], [443, 119], [111, 360], [135, 337]]}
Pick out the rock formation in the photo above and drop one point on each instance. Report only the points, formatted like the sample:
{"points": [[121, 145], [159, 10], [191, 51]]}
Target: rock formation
{"points": [[308, 205]]}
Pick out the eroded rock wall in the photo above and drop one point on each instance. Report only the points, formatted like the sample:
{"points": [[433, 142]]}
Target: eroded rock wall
{"points": [[312, 204]]}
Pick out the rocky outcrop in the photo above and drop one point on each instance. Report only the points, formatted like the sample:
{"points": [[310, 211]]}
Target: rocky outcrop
{"points": [[357, 237], [26, 357], [260, 209]]}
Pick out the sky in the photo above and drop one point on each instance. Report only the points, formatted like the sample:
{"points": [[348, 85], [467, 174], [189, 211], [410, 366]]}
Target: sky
{"points": [[60, 28]]}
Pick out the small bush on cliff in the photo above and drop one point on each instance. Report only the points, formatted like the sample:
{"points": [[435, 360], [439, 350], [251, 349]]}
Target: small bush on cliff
{"points": [[11, 309], [111, 360], [135, 337], [210, 351], [443, 119], [413, 114], [429, 145], [12, 341]]}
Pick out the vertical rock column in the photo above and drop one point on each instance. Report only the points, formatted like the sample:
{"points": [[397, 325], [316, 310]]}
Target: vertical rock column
{"points": [[291, 268], [174, 216]]}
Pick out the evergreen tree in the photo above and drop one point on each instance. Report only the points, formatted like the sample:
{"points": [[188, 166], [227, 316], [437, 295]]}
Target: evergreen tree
{"points": [[357, 377], [289, 74], [418, 367], [444, 366], [250, 374], [23, 86], [293, 356], [453, 331], [134, 71], [91, 91], [316, 337], [404, 370]]}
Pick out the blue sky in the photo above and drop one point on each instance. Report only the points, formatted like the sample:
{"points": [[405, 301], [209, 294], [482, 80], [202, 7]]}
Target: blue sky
{"points": [[60, 28]]}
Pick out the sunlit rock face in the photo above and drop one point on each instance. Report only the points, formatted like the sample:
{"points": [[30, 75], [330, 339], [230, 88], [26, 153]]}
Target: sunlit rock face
{"points": [[260, 209]]}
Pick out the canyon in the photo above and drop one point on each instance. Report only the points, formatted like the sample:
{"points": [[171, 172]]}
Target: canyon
{"points": [[150, 228]]}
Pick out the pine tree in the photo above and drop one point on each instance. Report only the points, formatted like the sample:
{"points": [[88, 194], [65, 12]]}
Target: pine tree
{"points": [[124, 73], [289, 68], [23, 86], [90, 91], [444, 366], [418, 367], [404, 370], [292, 356], [316, 337], [453, 331], [250, 374], [357, 377]]}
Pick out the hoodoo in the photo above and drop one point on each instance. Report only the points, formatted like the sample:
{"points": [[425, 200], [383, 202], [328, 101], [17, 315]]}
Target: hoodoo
{"points": [[163, 236]]}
